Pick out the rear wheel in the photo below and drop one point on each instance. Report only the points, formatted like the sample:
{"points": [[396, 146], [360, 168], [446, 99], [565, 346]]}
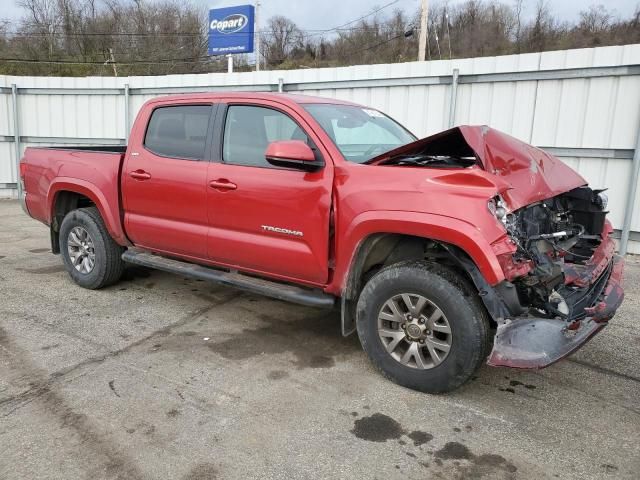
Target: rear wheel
{"points": [[91, 257], [422, 326]]}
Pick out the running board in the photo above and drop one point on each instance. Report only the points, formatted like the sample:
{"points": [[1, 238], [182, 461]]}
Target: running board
{"points": [[281, 291]]}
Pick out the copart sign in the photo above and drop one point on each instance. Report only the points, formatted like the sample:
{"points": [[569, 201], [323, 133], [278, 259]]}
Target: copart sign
{"points": [[231, 30]]}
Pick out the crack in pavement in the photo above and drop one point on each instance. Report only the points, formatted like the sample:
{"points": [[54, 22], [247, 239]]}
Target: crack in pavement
{"points": [[43, 386], [604, 370], [101, 454]]}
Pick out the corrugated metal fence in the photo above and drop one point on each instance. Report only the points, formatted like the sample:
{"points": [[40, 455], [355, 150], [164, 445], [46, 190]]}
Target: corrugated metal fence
{"points": [[581, 105]]}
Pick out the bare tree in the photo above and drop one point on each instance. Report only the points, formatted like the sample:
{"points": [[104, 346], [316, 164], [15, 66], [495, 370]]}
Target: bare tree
{"points": [[153, 37], [518, 24], [280, 38]]}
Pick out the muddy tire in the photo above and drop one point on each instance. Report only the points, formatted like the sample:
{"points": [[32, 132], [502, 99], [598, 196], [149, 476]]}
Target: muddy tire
{"points": [[423, 326], [91, 257]]}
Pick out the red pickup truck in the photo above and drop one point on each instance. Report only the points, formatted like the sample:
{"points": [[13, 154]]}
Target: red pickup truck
{"points": [[440, 252]]}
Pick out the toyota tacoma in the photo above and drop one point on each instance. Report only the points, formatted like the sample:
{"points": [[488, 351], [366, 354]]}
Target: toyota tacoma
{"points": [[441, 252]]}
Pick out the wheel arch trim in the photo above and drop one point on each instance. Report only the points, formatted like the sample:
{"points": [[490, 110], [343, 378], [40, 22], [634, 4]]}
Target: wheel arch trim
{"points": [[110, 215]]}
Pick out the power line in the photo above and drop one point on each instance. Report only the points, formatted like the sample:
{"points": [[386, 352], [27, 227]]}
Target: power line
{"points": [[159, 34], [363, 17], [107, 62], [372, 47]]}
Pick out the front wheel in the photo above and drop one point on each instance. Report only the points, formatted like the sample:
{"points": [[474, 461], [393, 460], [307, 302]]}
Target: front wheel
{"points": [[91, 257], [422, 326]]}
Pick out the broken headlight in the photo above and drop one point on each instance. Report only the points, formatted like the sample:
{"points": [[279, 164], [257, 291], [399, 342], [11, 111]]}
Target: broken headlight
{"points": [[498, 209], [602, 200]]}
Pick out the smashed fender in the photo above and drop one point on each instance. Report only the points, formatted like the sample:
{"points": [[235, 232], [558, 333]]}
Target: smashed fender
{"points": [[531, 173]]}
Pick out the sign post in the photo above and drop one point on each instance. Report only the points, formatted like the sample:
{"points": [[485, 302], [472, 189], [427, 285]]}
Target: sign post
{"points": [[258, 40], [231, 30]]}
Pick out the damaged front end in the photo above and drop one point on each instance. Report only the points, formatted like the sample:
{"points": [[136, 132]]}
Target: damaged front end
{"points": [[563, 278]]}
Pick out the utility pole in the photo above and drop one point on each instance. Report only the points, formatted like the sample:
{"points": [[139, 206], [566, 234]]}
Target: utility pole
{"points": [[422, 41], [446, 15], [112, 60], [256, 32]]}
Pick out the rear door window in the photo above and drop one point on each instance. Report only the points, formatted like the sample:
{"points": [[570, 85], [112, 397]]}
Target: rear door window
{"points": [[179, 132]]}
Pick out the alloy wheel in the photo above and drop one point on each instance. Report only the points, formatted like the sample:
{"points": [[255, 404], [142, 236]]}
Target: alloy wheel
{"points": [[81, 250], [414, 331]]}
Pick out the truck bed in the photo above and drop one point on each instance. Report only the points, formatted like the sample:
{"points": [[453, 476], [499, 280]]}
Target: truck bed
{"points": [[92, 171]]}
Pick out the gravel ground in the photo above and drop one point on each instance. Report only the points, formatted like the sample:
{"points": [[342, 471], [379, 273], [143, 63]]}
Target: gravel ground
{"points": [[163, 377]]}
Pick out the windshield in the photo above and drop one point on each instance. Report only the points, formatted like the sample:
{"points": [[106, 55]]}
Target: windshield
{"points": [[360, 133]]}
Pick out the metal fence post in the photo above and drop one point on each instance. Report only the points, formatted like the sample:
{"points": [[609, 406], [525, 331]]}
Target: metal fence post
{"points": [[16, 136], [126, 113], [454, 97], [631, 196], [280, 85]]}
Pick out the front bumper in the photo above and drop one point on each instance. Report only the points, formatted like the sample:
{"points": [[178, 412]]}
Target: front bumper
{"points": [[532, 342]]}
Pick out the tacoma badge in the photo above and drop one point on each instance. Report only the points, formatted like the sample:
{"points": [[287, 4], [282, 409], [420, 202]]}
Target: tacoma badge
{"points": [[286, 231]]}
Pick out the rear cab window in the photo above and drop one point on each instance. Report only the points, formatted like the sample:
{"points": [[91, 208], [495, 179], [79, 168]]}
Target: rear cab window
{"points": [[179, 131]]}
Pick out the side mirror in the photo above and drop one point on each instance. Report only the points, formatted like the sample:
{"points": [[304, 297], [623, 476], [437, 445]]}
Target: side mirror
{"points": [[293, 154]]}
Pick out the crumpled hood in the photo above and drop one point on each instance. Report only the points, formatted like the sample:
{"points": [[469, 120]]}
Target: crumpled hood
{"points": [[531, 173]]}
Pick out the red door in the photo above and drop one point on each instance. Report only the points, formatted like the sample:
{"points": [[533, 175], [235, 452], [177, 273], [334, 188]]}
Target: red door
{"points": [[266, 219], [164, 181]]}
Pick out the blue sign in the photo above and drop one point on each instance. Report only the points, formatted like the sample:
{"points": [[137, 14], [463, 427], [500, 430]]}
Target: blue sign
{"points": [[231, 30]]}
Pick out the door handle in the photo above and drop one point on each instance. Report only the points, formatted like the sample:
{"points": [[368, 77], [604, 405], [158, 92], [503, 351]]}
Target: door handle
{"points": [[222, 184], [140, 175]]}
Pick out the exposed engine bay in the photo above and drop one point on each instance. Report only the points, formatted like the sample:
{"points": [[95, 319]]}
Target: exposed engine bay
{"points": [[562, 279], [550, 234]]}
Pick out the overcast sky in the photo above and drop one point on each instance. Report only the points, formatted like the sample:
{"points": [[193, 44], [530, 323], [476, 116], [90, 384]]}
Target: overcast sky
{"points": [[326, 14]]}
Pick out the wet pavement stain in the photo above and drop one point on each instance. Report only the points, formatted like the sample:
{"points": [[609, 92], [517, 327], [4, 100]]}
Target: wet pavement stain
{"points": [[469, 465], [277, 375], [453, 450], [187, 334], [515, 383], [39, 250], [420, 438], [320, 335], [44, 270], [173, 413], [377, 428], [203, 471]]}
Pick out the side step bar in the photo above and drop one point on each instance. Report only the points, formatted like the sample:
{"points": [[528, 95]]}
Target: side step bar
{"points": [[281, 291]]}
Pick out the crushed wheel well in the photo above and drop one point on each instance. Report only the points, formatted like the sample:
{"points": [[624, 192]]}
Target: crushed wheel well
{"points": [[383, 249], [64, 203]]}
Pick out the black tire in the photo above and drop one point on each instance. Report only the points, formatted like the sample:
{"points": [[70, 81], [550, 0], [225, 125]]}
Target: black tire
{"points": [[458, 301], [108, 267]]}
